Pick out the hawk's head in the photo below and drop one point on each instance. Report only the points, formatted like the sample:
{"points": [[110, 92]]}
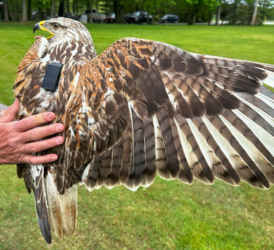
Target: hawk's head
{"points": [[68, 40], [63, 29]]}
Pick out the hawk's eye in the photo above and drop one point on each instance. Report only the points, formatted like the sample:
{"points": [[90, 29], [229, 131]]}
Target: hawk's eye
{"points": [[55, 25]]}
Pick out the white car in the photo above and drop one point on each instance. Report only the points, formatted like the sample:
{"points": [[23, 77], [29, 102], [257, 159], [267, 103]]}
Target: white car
{"points": [[102, 17], [95, 16]]}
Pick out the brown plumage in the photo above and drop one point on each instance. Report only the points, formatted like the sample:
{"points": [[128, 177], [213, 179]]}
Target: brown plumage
{"points": [[139, 109]]}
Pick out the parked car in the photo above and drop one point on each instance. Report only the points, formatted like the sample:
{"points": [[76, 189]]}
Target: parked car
{"points": [[139, 17], [127, 17], [54, 15], [102, 17], [111, 18], [70, 15], [35, 15], [95, 16], [169, 18]]}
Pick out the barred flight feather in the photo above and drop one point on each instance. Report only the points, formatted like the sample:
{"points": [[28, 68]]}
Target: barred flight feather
{"points": [[140, 109]]}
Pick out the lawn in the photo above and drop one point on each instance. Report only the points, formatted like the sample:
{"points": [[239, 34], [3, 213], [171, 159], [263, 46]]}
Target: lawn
{"points": [[168, 215]]}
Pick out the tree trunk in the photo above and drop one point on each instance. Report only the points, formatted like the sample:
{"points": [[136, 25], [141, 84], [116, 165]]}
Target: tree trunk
{"points": [[90, 17], [115, 6], [209, 18], [24, 11], [6, 14], [67, 3], [195, 12], [234, 13], [40, 13], [52, 8], [17, 11], [255, 13], [74, 7], [64, 7], [193, 19], [122, 15], [218, 15], [61, 11], [29, 10]]}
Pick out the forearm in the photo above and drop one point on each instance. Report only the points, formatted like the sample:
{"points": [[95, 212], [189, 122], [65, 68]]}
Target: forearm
{"points": [[3, 109]]}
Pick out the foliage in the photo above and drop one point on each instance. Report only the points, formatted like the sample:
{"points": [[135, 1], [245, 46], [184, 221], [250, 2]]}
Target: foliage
{"points": [[168, 215], [241, 11], [189, 11]]}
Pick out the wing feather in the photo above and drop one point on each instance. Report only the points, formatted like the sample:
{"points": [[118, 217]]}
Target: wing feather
{"points": [[145, 107], [179, 117]]}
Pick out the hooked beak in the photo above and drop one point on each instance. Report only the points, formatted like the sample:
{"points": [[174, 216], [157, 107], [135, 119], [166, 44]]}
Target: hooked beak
{"points": [[40, 26]]}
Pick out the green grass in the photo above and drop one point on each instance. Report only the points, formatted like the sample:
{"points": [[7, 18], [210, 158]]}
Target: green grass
{"points": [[168, 215]]}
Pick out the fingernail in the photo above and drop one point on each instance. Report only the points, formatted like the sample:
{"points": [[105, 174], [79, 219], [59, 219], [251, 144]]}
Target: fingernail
{"points": [[59, 128], [51, 116], [55, 157], [59, 140]]}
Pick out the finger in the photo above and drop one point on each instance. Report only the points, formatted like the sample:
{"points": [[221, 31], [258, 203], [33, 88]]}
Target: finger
{"points": [[34, 160], [41, 132], [11, 112], [39, 146], [33, 121]]}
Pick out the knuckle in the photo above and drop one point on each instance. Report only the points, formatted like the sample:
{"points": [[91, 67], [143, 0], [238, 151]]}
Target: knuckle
{"points": [[12, 142], [33, 135], [33, 148], [28, 122], [17, 125], [32, 161]]}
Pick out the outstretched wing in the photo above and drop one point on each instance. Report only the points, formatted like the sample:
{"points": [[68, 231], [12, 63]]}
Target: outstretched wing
{"points": [[147, 108]]}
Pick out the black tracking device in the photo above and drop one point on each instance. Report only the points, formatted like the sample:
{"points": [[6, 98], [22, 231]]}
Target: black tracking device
{"points": [[51, 79]]}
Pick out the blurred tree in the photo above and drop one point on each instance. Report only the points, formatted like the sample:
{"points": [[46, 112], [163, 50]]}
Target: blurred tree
{"points": [[6, 13], [255, 12], [90, 18], [242, 12], [189, 11], [202, 9], [62, 5], [29, 10], [24, 11], [218, 12], [266, 8], [234, 15]]}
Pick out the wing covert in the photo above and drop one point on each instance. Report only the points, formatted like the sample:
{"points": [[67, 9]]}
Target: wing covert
{"points": [[179, 115]]}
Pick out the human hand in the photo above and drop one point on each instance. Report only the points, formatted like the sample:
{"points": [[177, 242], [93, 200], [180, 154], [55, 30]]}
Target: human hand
{"points": [[19, 139]]}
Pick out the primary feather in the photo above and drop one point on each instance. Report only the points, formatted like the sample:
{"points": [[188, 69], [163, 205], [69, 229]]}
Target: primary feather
{"points": [[139, 109]]}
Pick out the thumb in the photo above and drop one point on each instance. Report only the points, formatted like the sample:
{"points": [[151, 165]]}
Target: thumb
{"points": [[11, 112]]}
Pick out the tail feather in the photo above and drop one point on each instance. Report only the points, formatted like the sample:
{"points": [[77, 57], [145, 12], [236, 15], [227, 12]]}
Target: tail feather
{"points": [[68, 205], [55, 217], [41, 204], [62, 209]]}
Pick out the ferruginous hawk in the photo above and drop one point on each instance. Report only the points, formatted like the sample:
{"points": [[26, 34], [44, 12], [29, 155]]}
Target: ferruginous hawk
{"points": [[140, 109]]}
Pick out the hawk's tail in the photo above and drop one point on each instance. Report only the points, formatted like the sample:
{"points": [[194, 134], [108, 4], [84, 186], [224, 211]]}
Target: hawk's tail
{"points": [[40, 201], [62, 209]]}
